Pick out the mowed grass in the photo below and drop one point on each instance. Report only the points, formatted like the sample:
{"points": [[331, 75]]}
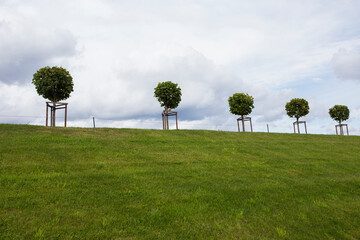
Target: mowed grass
{"points": [[151, 184]]}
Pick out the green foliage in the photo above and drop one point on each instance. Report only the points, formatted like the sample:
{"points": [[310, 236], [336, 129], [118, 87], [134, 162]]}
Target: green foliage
{"points": [[297, 107], [168, 94], [54, 83], [339, 113], [241, 104], [78, 183]]}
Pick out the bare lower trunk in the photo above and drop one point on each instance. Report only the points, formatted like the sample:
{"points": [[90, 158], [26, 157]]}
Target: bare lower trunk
{"points": [[243, 123], [297, 123], [166, 118], [54, 114], [341, 128]]}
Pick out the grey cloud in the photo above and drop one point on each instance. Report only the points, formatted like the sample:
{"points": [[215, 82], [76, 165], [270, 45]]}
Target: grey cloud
{"points": [[346, 64], [204, 85], [24, 49]]}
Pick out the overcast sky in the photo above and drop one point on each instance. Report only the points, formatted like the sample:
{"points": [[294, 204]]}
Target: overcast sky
{"points": [[117, 52]]}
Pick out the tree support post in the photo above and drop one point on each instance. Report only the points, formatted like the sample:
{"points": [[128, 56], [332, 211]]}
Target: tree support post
{"points": [[65, 115], [177, 126], [47, 113], [167, 122]]}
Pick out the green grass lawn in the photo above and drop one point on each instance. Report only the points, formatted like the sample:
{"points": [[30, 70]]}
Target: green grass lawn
{"points": [[152, 184]]}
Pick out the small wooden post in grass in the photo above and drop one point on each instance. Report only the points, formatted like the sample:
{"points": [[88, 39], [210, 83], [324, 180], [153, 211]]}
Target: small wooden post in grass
{"points": [[53, 107]]}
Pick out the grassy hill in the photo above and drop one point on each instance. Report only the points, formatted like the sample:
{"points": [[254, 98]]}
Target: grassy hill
{"points": [[151, 184]]}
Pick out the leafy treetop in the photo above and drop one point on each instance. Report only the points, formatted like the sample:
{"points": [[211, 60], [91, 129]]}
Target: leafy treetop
{"points": [[339, 113], [53, 83], [168, 94], [241, 104], [297, 107]]}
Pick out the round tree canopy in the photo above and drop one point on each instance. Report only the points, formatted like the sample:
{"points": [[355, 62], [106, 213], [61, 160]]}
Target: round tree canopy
{"points": [[168, 94], [339, 113], [297, 107], [54, 83], [241, 104]]}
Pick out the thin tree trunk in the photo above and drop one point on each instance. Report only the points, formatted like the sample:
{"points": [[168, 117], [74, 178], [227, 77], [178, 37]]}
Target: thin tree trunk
{"points": [[243, 122], [166, 118], [341, 128], [297, 123], [54, 113]]}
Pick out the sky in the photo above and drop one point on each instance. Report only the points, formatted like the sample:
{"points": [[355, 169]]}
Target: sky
{"points": [[118, 51]]}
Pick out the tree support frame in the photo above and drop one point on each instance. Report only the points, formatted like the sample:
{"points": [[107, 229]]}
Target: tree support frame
{"points": [[340, 126], [165, 119], [243, 119], [298, 126], [53, 106]]}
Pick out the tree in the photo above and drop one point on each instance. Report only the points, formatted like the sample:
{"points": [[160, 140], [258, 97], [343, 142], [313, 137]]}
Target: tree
{"points": [[339, 113], [54, 83], [168, 94], [241, 104], [297, 107]]}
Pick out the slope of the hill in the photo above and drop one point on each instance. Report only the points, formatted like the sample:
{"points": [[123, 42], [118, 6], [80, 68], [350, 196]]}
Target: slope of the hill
{"points": [[151, 184]]}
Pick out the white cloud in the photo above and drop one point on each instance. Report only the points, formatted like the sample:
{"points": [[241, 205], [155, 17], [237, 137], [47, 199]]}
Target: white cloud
{"points": [[346, 64], [19, 101]]}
